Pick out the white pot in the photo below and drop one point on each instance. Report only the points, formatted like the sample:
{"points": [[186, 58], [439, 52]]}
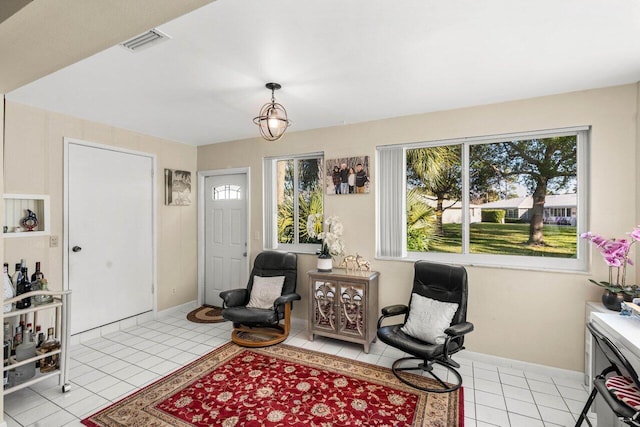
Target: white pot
{"points": [[325, 264]]}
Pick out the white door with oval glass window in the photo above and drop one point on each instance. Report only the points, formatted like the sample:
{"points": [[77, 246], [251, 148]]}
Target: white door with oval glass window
{"points": [[225, 247]]}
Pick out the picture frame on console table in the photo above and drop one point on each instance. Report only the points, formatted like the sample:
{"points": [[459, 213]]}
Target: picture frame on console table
{"points": [[347, 176]]}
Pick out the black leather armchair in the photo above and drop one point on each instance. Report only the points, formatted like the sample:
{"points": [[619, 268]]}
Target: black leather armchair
{"points": [[260, 327], [438, 282]]}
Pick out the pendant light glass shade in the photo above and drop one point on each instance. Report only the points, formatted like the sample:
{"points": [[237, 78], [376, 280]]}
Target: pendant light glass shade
{"points": [[272, 120]]}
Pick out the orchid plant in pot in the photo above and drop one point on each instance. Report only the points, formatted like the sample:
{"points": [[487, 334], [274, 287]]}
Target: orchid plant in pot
{"points": [[616, 255], [330, 233]]}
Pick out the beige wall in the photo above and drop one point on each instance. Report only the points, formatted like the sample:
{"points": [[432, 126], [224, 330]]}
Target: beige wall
{"points": [[534, 316], [34, 165]]}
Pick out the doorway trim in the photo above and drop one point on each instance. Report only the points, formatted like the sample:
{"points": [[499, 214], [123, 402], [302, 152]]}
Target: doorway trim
{"points": [[246, 171], [65, 211]]}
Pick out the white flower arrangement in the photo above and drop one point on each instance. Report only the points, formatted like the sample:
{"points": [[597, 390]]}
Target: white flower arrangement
{"points": [[331, 234]]}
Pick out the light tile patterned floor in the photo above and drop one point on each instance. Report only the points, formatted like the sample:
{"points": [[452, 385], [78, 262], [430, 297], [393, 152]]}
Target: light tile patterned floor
{"points": [[106, 369]]}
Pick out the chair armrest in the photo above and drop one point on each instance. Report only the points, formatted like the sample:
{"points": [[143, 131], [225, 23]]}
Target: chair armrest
{"points": [[394, 310], [283, 299], [459, 329], [234, 297]]}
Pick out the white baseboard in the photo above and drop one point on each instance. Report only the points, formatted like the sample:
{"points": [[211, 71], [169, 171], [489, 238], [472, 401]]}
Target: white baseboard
{"points": [[549, 371], [299, 323], [182, 308]]}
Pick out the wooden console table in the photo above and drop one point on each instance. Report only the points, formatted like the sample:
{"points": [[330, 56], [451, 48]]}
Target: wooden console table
{"points": [[344, 306]]}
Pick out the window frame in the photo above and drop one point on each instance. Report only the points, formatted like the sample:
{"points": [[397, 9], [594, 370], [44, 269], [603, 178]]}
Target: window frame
{"points": [[387, 251], [270, 205]]}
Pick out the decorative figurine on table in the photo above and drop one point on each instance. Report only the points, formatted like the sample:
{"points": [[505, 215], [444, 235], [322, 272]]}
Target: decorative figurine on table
{"points": [[353, 263], [349, 263], [30, 221], [363, 264]]}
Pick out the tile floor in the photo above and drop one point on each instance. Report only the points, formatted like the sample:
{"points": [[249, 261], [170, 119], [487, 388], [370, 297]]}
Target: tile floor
{"points": [[106, 369]]}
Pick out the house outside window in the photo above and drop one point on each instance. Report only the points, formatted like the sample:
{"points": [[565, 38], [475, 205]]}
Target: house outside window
{"points": [[518, 181], [293, 191], [512, 213]]}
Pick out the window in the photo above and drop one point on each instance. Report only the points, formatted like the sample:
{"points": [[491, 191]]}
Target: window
{"points": [[516, 200], [512, 213], [226, 192], [293, 191]]}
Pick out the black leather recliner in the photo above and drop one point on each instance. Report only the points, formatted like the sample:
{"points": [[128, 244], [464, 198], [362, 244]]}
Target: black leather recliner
{"points": [[443, 283], [259, 327]]}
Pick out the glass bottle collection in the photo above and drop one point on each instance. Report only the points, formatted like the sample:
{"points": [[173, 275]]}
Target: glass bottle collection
{"points": [[26, 343]]}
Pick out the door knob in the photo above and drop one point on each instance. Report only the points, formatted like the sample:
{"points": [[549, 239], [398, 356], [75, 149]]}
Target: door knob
{"points": [[76, 249]]}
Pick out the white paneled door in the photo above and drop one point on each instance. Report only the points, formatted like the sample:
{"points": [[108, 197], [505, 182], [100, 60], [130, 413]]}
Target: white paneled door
{"points": [[110, 218], [225, 235]]}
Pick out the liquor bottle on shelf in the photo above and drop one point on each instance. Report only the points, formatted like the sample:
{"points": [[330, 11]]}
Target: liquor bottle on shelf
{"points": [[38, 274], [23, 287], [42, 299], [16, 277], [25, 351], [8, 289], [8, 345], [39, 336], [5, 360], [50, 363], [17, 338]]}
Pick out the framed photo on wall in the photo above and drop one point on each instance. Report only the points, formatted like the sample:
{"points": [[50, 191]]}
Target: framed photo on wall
{"points": [[177, 187], [347, 175]]}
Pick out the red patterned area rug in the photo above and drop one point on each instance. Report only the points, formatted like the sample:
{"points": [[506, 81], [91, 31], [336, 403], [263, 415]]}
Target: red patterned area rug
{"points": [[281, 386]]}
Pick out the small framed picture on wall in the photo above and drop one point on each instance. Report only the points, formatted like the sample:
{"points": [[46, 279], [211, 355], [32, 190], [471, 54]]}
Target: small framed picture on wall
{"points": [[177, 187], [347, 175]]}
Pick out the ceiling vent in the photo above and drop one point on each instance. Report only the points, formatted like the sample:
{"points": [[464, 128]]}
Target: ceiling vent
{"points": [[145, 40]]}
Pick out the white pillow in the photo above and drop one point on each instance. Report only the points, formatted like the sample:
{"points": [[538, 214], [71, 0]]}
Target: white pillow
{"points": [[429, 318], [265, 290]]}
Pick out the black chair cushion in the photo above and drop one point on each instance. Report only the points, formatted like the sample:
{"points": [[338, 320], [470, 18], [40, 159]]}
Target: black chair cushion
{"points": [[244, 315], [393, 336]]}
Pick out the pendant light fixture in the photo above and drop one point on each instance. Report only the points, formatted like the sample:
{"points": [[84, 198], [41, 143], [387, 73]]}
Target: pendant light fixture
{"points": [[272, 120]]}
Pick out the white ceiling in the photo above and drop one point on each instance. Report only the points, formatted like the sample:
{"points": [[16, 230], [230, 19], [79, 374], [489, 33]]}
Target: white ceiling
{"points": [[344, 62]]}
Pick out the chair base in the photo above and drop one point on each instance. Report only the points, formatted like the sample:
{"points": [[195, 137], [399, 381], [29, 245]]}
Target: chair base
{"points": [[257, 337], [446, 387], [265, 336]]}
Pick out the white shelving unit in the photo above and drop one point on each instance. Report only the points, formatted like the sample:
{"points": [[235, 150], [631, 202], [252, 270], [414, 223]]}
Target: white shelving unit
{"points": [[61, 301], [15, 209]]}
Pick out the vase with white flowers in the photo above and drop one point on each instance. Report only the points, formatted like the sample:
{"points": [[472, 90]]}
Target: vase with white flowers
{"points": [[616, 255], [330, 233]]}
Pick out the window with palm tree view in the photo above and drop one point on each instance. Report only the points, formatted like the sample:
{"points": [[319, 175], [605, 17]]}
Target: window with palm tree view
{"points": [[514, 196], [298, 194]]}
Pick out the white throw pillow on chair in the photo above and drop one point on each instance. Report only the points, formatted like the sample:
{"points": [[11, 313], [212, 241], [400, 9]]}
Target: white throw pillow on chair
{"points": [[428, 319], [265, 290]]}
